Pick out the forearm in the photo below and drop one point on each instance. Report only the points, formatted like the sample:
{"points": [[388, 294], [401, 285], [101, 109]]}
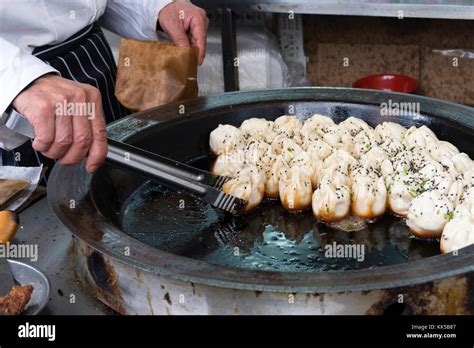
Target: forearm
{"points": [[17, 70], [134, 19]]}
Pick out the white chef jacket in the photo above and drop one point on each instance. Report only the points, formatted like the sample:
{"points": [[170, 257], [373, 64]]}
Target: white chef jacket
{"points": [[27, 24]]}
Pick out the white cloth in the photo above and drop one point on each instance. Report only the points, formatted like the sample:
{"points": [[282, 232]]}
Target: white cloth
{"points": [[27, 24]]}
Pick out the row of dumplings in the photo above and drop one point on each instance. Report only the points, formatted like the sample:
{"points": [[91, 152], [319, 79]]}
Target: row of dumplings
{"points": [[351, 168]]}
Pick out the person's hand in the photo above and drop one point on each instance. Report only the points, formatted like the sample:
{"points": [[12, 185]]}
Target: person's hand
{"points": [[67, 118], [186, 24]]}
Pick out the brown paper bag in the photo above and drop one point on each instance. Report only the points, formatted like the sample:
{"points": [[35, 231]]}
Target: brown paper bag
{"points": [[152, 73]]}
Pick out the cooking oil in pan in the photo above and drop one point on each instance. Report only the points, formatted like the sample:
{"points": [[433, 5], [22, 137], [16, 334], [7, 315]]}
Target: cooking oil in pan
{"points": [[268, 239]]}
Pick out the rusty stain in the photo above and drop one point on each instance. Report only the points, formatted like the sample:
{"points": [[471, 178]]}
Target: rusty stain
{"points": [[112, 296], [194, 288], [455, 296], [258, 293], [112, 279], [115, 294], [148, 297], [138, 276], [236, 311], [323, 305], [83, 283], [167, 298], [111, 300], [450, 296], [470, 295]]}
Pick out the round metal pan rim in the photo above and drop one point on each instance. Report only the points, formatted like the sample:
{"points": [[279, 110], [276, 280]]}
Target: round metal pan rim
{"points": [[190, 270]]}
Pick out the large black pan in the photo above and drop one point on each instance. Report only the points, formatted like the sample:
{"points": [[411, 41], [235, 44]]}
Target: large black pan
{"points": [[172, 235]]}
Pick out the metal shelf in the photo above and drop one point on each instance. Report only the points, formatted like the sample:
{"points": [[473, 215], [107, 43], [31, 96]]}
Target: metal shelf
{"points": [[446, 9]]}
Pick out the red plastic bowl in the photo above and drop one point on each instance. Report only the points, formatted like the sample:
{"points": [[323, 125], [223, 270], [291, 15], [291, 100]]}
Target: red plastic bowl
{"points": [[388, 82]]}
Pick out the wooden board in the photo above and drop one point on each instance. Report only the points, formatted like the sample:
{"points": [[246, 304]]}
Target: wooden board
{"points": [[339, 65]]}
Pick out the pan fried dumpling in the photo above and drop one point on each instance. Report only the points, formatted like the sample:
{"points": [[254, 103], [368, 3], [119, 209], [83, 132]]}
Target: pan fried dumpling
{"points": [[391, 130], [295, 189], [318, 150], [278, 143], [369, 194], [303, 160], [258, 128], [311, 129], [468, 177], [439, 182], [354, 125], [456, 190], [336, 173], [416, 160], [257, 152], [392, 147], [229, 163], [402, 189], [226, 138], [335, 167], [428, 214], [288, 126], [290, 150], [402, 161], [341, 157], [419, 137], [249, 184], [458, 233], [331, 203], [278, 166], [377, 159], [466, 204], [428, 167], [441, 149], [446, 184], [364, 141], [319, 120], [337, 137], [462, 162]]}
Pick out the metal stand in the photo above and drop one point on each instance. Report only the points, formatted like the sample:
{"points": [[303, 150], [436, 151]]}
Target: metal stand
{"points": [[229, 51]]}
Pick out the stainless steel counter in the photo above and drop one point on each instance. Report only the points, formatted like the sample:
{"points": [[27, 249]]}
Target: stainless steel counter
{"points": [[448, 9], [38, 225]]}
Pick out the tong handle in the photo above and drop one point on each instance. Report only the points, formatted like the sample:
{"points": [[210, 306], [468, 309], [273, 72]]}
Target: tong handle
{"points": [[154, 167], [165, 163]]}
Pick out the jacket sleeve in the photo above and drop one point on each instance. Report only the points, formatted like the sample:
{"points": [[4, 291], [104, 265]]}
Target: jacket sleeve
{"points": [[18, 69], [134, 19]]}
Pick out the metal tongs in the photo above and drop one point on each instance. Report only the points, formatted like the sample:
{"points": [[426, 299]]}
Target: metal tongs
{"points": [[199, 183], [196, 182]]}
